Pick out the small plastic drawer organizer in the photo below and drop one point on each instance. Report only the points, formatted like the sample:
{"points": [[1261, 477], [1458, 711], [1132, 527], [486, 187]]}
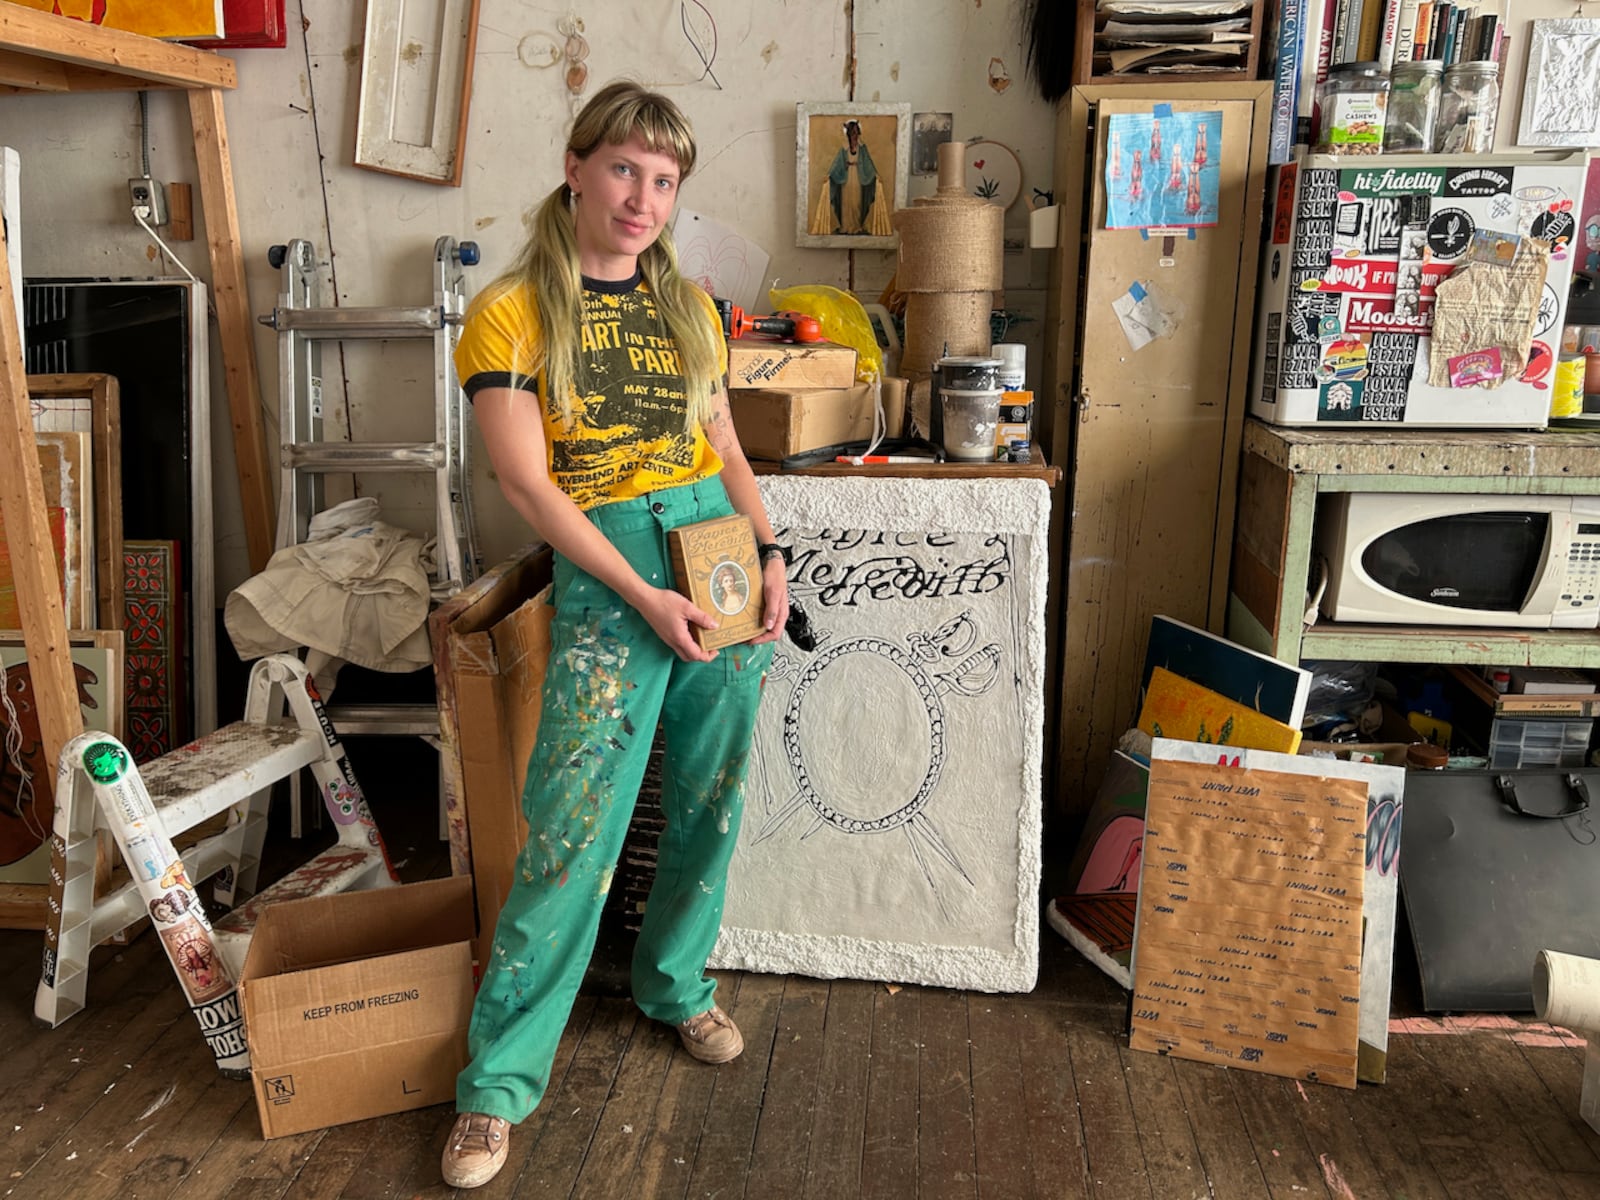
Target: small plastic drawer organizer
{"points": [[1538, 743]]}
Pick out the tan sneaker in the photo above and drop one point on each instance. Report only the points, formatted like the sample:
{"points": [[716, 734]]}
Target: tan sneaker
{"points": [[476, 1150], [712, 1037]]}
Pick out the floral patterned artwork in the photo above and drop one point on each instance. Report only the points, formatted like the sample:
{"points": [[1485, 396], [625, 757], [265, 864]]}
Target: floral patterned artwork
{"points": [[152, 599]]}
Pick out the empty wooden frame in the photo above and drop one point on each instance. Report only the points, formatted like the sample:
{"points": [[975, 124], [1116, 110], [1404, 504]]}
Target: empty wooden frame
{"points": [[416, 82]]}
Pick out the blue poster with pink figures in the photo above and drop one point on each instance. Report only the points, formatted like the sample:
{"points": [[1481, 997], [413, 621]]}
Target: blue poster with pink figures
{"points": [[1163, 169]]}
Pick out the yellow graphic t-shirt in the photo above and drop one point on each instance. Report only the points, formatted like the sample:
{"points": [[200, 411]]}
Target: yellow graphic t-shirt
{"points": [[626, 436]]}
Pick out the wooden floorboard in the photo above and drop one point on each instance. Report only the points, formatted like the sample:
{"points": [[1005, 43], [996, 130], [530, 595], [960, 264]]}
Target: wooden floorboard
{"points": [[839, 1113], [946, 1155], [782, 1146], [890, 1143], [846, 1089]]}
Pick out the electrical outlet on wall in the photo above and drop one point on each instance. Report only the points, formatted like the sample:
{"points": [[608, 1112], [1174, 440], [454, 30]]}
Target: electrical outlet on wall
{"points": [[148, 199]]}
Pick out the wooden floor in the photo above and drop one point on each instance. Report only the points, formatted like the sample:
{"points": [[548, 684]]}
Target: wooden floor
{"points": [[845, 1089]]}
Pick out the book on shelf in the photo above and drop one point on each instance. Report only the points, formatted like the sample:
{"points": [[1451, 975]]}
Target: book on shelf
{"points": [[1290, 49], [1341, 31], [1371, 27], [1570, 706], [715, 564], [1422, 28], [1389, 34], [1405, 32], [1316, 22]]}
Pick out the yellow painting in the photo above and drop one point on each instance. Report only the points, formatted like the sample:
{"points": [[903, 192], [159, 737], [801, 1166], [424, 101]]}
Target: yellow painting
{"points": [[1176, 708], [164, 19]]}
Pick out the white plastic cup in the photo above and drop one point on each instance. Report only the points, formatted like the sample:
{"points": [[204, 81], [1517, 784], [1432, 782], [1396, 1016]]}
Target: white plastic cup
{"points": [[970, 419]]}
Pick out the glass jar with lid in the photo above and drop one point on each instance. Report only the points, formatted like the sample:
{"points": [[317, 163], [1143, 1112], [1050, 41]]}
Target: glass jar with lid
{"points": [[1352, 100], [1413, 107], [1468, 103]]}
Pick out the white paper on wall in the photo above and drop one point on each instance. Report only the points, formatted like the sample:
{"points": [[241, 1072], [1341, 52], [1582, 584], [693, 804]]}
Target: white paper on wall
{"points": [[892, 815]]}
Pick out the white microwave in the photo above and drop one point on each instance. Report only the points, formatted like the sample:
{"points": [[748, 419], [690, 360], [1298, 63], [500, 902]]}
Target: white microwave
{"points": [[1530, 562]]}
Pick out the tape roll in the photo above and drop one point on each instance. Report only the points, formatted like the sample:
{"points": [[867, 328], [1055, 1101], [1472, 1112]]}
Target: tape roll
{"points": [[941, 323], [1566, 990]]}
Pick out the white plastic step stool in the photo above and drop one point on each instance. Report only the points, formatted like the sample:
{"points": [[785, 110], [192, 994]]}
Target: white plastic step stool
{"points": [[227, 774]]}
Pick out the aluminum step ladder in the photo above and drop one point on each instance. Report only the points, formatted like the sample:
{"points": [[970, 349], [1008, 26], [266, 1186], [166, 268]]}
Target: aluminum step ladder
{"points": [[303, 324], [219, 785], [305, 457]]}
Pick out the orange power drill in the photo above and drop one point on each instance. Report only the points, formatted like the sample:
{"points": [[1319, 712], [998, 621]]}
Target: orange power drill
{"points": [[785, 326]]}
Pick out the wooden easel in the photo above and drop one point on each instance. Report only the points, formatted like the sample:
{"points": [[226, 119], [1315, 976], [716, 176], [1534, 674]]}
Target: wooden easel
{"points": [[42, 52]]}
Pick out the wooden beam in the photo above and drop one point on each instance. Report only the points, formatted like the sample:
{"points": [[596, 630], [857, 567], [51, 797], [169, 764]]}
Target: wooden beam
{"points": [[30, 73], [141, 61], [233, 320], [33, 562]]}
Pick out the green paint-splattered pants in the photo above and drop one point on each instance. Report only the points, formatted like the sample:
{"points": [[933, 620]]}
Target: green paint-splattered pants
{"points": [[609, 681]]}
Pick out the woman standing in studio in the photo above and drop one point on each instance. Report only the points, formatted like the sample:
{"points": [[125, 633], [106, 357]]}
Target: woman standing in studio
{"points": [[595, 371]]}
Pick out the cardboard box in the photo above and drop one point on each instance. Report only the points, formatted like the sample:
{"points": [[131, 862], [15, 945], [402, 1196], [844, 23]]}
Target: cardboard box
{"points": [[490, 645], [774, 423], [760, 363], [356, 1005]]}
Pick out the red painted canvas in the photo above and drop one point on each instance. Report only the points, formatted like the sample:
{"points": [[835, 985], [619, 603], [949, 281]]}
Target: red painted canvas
{"points": [[10, 613], [153, 597], [249, 25]]}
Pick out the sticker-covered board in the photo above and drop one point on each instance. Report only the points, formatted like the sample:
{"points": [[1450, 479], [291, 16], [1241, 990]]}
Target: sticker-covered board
{"points": [[1350, 279]]}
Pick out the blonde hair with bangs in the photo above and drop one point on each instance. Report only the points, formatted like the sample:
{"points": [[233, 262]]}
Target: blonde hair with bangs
{"points": [[547, 264]]}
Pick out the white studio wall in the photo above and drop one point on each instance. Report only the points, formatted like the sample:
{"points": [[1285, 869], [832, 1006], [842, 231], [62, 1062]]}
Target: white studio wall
{"points": [[291, 126], [892, 815]]}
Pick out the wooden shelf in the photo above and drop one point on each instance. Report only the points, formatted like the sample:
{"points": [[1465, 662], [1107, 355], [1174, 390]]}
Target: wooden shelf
{"points": [[43, 52], [1437, 644], [1432, 454]]}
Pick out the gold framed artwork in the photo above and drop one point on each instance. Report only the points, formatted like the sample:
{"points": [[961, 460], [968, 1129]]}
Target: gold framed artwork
{"points": [[851, 165], [90, 403]]}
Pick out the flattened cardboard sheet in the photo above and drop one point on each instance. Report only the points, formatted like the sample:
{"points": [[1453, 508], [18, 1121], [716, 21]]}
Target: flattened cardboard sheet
{"points": [[1248, 945]]}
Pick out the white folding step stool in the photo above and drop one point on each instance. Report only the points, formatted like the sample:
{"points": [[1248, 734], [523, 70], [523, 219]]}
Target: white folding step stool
{"points": [[227, 774]]}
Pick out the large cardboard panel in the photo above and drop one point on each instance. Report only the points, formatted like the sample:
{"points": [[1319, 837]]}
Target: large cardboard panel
{"points": [[357, 1005], [490, 645], [1247, 949]]}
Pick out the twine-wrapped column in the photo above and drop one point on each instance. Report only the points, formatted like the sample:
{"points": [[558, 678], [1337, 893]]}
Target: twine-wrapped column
{"points": [[950, 265]]}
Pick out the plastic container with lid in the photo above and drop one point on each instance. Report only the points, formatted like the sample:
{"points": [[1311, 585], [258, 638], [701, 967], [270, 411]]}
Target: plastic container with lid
{"points": [[1468, 104], [1413, 106], [1353, 101]]}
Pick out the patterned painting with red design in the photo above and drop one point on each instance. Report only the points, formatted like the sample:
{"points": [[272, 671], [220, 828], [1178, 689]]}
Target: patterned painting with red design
{"points": [[153, 599]]}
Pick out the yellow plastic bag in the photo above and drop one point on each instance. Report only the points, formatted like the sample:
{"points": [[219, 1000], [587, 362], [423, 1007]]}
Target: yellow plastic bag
{"points": [[842, 318]]}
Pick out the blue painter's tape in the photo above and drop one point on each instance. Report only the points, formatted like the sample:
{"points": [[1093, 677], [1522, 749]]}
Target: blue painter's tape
{"points": [[1136, 291], [1191, 233], [1144, 232], [1162, 110]]}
